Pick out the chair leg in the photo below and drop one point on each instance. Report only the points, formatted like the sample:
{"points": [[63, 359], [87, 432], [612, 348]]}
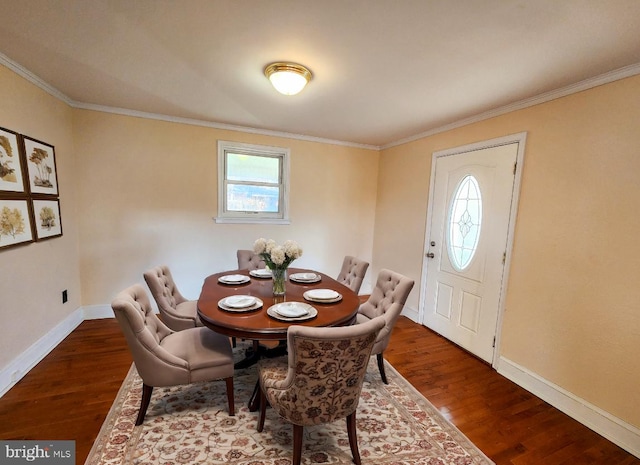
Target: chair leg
{"points": [[297, 444], [353, 438], [230, 399], [263, 410], [146, 398], [381, 368]]}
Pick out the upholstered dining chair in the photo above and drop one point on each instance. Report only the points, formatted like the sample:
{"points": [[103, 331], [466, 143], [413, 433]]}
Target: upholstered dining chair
{"points": [[387, 299], [352, 273], [177, 312], [169, 358], [249, 260], [320, 379]]}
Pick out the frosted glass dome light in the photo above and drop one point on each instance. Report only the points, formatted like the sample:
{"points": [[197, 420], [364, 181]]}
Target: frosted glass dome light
{"points": [[288, 78]]}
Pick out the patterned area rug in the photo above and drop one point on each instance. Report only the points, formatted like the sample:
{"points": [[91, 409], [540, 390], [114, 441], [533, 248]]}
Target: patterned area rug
{"points": [[396, 425]]}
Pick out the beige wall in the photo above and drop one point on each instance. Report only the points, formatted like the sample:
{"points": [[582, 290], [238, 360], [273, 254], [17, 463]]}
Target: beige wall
{"points": [[148, 195], [572, 313], [34, 275]]}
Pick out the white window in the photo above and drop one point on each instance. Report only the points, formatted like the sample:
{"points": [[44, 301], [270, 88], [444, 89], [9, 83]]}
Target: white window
{"points": [[253, 183], [465, 221]]}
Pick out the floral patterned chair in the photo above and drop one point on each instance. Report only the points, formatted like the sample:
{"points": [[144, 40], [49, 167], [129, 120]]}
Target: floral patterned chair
{"points": [[320, 380], [169, 358], [386, 300], [249, 260], [352, 273], [177, 312]]}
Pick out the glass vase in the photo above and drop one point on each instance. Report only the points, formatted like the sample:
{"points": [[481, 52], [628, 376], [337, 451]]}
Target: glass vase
{"points": [[279, 279]]}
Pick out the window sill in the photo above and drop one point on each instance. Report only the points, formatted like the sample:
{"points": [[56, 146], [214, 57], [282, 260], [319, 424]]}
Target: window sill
{"points": [[224, 220]]}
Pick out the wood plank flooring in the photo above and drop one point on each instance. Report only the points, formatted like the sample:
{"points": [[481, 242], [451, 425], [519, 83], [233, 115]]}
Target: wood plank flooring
{"points": [[68, 394]]}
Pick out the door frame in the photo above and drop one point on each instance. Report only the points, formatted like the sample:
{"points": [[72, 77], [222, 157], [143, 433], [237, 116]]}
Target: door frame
{"points": [[519, 138]]}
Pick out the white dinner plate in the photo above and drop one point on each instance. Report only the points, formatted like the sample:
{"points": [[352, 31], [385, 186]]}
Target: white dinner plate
{"points": [[322, 295], [240, 303], [292, 311], [261, 273], [305, 277], [234, 279]]}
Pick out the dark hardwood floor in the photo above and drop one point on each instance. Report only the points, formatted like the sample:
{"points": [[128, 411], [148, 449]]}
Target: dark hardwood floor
{"points": [[68, 394]]}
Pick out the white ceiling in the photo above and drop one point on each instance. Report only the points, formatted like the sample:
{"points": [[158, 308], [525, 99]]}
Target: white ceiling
{"points": [[384, 70]]}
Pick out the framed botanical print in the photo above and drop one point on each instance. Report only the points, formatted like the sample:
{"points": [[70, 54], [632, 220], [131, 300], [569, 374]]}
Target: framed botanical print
{"points": [[41, 167], [46, 214], [15, 222], [11, 163]]}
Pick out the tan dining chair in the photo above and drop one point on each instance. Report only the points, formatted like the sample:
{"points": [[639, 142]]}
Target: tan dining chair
{"points": [[177, 312], [249, 260], [169, 358], [320, 379], [352, 273], [387, 299]]}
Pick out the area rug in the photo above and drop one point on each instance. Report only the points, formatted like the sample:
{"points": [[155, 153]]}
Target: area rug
{"points": [[190, 424]]}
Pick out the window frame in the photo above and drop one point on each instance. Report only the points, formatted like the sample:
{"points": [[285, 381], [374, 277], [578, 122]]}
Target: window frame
{"points": [[226, 216]]}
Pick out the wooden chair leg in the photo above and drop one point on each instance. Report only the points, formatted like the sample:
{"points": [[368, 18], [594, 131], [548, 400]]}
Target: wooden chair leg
{"points": [[297, 444], [263, 410], [146, 398], [230, 397], [353, 438], [381, 368]]}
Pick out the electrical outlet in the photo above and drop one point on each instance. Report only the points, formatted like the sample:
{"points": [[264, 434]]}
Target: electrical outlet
{"points": [[65, 296]]}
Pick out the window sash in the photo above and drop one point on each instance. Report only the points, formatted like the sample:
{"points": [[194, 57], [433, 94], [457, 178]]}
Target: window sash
{"points": [[242, 211]]}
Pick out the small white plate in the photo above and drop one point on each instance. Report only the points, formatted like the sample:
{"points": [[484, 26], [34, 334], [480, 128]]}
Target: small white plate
{"points": [[305, 277], [261, 273], [292, 309], [301, 311], [257, 303], [234, 279], [322, 295], [239, 301]]}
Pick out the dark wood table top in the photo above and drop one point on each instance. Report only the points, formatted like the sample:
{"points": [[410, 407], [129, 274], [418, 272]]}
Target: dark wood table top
{"points": [[256, 324]]}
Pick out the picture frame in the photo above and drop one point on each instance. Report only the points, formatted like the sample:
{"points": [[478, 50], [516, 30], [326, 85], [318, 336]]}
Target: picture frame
{"points": [[47, 219], [40, 158], [12, 178], [16, 225]]}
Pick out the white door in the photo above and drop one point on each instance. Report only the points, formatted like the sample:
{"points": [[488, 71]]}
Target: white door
{"points": [[468, 234]]}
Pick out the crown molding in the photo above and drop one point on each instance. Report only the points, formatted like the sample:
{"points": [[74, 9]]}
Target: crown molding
{"points": [[32, 78], [214, 125], [590, 83]]}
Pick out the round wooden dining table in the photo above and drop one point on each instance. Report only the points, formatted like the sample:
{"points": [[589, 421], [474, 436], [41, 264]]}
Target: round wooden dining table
{"points": [[257, 324]]}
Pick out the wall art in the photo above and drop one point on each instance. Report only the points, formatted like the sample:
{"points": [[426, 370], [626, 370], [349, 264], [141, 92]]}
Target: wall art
{"points": [[41, 164], [47, 220], [15, 222], [11, 163]]}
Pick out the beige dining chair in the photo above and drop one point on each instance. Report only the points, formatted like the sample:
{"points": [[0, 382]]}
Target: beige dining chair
{"points": [[320, 379], [387, 300], [169, 358], [352, 273], [249, 260], [177, 312]]}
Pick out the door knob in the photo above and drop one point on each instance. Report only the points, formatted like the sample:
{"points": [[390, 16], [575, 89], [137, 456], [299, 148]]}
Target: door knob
{"points": [[430, 255]]}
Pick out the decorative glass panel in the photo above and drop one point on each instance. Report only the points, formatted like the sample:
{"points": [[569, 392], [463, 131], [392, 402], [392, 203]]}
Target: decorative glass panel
{"points": [[465, 220]]}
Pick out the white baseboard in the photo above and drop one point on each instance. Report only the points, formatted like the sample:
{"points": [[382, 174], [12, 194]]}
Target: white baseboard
{"points": [[614, 429], [20, 366], [410, 313], [96, 312]]}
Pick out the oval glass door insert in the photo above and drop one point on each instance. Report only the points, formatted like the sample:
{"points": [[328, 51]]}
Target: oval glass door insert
{"points": [[465, 221]]}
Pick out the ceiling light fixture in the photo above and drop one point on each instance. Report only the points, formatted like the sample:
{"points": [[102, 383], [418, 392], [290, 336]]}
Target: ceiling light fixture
{"points": [[288, 78]]}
